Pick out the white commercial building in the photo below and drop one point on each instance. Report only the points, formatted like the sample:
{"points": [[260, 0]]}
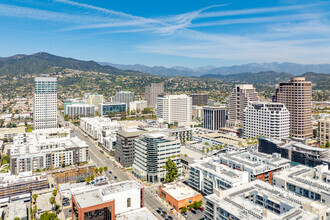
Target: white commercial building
{"points": [[80, 109], [267, 119], [259, 200], [45, 103], [151, 153], [138, 105], [258, 165], [102, 129], [313, 183], [107, 201], [207, 174], [174, 108], [124, 97], [46, 149]]}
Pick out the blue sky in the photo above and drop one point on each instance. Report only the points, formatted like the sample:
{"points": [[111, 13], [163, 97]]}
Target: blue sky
{"points": [[188, 33]]}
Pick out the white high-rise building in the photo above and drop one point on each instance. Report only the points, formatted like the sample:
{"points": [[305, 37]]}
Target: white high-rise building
{"points": [[268, 119], [45, 103], [174, 108], [124, 97]]}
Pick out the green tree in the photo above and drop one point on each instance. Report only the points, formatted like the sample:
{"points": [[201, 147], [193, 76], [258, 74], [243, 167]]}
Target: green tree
{"points": [[171, 171], [146, 111], [327, 144], [66, 118], [207, 149], [48, 216], [184, 209], [34, 211], [88, 180], [191, 206], [17, 218], [185, 156], [101, 170], [52, 200], [207, 143], [175, 124], [54, 192], [96, 170], [197, 205], [92, 177], [203, 151], [105, 169], [34, 197]]}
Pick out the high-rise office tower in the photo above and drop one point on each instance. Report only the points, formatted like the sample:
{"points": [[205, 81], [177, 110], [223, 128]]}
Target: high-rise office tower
{"points": [[124, 97], [268, 119], [45, 103], [152, 93], [296, 95], [199, 98], [214, 117], [151, 153], [174, 108], [238, 100]]}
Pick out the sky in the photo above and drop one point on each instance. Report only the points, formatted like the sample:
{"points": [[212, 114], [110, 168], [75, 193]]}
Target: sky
{"points": [[189, 33]]}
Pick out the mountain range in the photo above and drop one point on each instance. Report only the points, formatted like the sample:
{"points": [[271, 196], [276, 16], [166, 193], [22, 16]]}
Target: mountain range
{"points": [[40, 63], [292, 68]]}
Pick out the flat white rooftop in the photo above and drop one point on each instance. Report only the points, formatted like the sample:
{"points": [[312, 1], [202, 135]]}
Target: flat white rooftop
{"points": [[179, 190], [139, 214]]}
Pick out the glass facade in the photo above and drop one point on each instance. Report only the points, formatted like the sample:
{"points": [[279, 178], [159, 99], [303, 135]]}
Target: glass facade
{"points": [[116, 108]]}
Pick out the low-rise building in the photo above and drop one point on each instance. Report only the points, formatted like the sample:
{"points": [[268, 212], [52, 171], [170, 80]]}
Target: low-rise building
{"points": [[151, 153], [313, 183], [106, 201], [178, 195], [142, 213], [229, 142], [80, 110], [46, 149], [295, 151], [259, 200], [209, 173], [258, 165], [11, 132], [17, 209], [112, 107], [102, 129], [23, 183], [138, 105]]}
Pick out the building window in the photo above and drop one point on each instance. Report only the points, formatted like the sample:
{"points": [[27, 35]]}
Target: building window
{"points": [[128, 202]]}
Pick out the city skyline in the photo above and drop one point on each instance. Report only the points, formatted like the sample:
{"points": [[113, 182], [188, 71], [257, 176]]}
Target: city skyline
{"points": [[149, 33]]}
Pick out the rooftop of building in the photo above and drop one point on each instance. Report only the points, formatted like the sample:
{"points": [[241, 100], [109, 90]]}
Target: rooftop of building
{"points": [[212, 165], [130, 132], [45, 79], [239, 201], [112, 103], [7, 179], [138, 214], [94, 195], [81, 104], [179, 191], [308, 178], [17, 209], [232, 140], [259, 162]]}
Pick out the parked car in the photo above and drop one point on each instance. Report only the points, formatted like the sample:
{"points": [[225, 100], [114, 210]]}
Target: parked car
{"points": [[201, 208]]}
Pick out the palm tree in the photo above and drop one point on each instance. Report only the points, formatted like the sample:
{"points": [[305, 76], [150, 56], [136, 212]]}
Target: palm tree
{"points": [[101, 170], [88, 180], [34, 210], [173, 156], [185, 155], [203, 151], [54, 192], [52, 200], [179, 155], [34, 197], [207, 149], [96, 170], [105, 169], [92, 177]]}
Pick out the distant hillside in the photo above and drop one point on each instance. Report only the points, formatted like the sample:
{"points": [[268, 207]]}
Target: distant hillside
{"points": [[40, 63], [293, 68], [156, 70], [271, 78]]}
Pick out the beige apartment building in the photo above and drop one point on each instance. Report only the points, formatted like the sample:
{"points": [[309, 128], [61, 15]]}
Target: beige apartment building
{"points": [[296, 95], [324, 131], [238, 100], [152, 93]]}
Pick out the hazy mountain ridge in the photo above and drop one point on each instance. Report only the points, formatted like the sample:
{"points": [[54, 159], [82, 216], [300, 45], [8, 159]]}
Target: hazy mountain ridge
{"points": [[40, 63], [293, 68]]}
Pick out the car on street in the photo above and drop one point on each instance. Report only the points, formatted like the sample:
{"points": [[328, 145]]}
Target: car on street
{"points": [[115, 177], [193, 211]]}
